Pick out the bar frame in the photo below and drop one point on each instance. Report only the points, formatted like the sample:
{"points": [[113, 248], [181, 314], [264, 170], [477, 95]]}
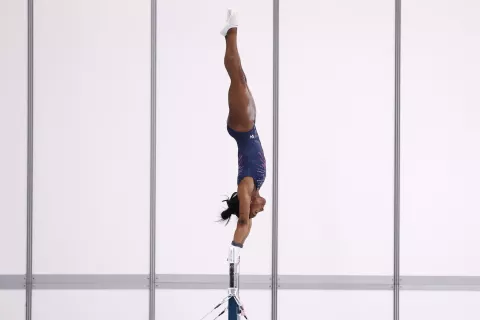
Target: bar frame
{"points": [[275, 169], [397, 160], [30, 136], [153, 158]]}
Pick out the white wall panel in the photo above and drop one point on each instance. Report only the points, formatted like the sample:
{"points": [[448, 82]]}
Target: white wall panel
{"points": [[12, 304], [92, 124], [196, 158], [92, 305], [194, 304], [336, 137], [338, 305], [439, 305], [440, 138], [13, 135]]}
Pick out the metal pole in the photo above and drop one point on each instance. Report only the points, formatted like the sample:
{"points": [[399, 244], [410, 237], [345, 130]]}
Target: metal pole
{"points": [[396, 271], [153, 156], [232, 303], [29, 276], [276, 32]]}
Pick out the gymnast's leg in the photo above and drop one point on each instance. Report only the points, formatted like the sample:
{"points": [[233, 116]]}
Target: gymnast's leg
{"points": [[239, 97]]}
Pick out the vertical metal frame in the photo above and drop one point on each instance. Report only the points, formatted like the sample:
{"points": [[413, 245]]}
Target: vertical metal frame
{"points": [[396, 271], [276, 40], [29, 267], [153, 156]]}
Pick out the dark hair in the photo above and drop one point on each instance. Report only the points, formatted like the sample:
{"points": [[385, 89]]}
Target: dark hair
{"points": [[233, 207]]}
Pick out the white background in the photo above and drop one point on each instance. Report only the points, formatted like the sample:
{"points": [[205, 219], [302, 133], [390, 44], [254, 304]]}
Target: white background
{"points": [[92, 305], [338, 305], [92, 151], [440, 138], [13, 136], [12, 304], [336, 137], [439, 305]]}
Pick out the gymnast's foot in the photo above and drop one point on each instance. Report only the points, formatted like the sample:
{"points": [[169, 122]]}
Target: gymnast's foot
{"points": [[232, 22]]}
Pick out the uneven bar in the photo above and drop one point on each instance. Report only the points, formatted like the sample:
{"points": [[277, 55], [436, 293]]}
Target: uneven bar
{"points": [[233, 284]]}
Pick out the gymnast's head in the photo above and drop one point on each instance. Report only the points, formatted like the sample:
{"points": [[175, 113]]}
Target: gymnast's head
{"points": [[257, 205]]}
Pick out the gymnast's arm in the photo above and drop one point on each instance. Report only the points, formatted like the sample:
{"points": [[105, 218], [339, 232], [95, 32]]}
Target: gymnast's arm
{"points": [[244, 224]]}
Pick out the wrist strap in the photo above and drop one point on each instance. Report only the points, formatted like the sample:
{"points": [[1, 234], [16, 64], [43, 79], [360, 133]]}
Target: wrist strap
{"points": [[239, 245]]}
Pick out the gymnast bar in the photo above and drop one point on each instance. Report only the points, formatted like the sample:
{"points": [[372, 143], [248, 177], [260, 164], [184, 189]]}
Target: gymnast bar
{"points": [[234, 307], [232, 303]]}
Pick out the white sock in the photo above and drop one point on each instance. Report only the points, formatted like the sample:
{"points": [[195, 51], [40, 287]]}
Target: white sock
{"points": [[231, 22]]}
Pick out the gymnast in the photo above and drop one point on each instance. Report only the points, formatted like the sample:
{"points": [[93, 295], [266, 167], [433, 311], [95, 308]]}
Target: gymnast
{"points": [[246, 202]]}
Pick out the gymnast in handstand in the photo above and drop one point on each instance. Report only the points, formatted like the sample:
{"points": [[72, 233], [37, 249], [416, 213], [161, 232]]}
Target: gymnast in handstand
{"points": [[246, 202]]}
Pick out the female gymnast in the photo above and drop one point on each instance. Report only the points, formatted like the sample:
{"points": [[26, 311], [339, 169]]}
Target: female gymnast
{"points": [[246, 203]]}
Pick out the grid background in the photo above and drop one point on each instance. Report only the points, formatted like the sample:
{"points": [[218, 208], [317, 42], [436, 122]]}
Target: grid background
{"points": [[91, 228]]}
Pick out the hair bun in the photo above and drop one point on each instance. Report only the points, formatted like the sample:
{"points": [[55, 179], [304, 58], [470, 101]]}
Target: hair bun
{"points": [[226, 214], [233, 207]]}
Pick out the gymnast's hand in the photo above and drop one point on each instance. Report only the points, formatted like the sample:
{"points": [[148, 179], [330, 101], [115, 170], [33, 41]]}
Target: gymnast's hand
{"points": [[257, 204]]}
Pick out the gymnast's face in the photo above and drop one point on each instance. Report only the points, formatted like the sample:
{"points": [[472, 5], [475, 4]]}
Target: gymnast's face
{"points": [[257, 205]]}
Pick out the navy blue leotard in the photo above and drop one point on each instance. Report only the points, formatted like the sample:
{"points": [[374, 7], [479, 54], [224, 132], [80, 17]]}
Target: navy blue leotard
{"points": [[251, 160]]}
